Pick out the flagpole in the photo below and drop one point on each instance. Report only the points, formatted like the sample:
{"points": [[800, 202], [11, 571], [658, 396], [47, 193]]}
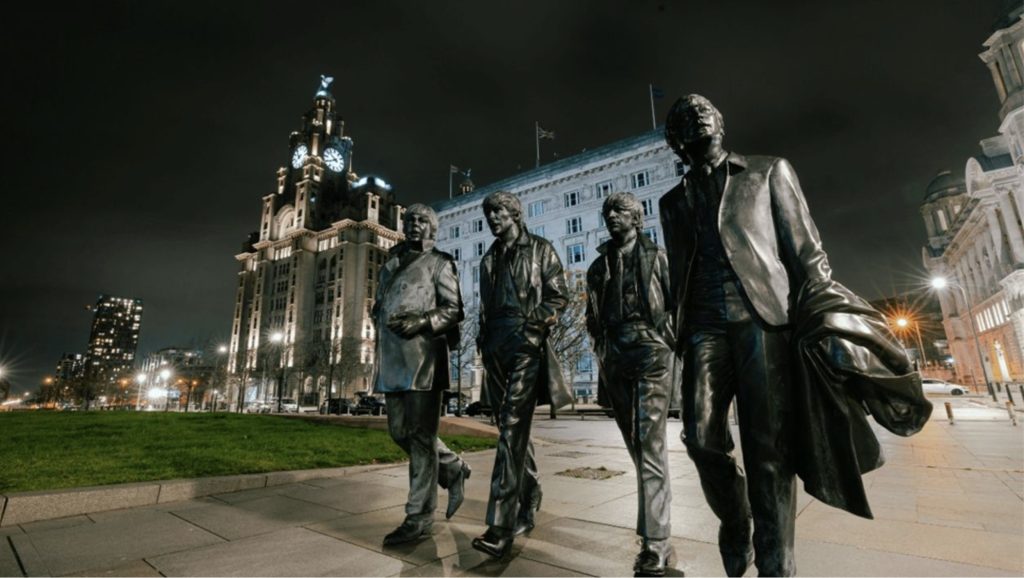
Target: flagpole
{"points": [[450, 165], [536, 138], [650, 93]]}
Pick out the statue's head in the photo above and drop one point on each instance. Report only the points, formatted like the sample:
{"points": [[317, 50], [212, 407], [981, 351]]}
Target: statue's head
{"points": [[693, 121], [622, 212], [420, 223], [502, 209]]}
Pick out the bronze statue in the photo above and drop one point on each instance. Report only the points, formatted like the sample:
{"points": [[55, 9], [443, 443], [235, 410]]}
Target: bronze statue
{"points": [[522, 292], [759, 319], [629, 318], [417, 313]]}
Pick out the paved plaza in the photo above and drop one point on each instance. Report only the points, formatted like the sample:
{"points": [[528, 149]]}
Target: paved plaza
{"points": [[950, 502]]}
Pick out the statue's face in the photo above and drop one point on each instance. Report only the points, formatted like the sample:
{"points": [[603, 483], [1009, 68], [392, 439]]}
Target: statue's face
{"points": [[701, 121], [417, 227], [619, 221], [499, 220]]}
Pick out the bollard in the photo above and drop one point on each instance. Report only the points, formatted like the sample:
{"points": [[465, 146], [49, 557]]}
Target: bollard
{"points": [[992, 392], [1009, 395], [1021, 386], [949, 412], [1013, 414]]}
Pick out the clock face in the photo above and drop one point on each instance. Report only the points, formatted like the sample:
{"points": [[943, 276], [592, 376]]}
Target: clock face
{"points": [[334, 160], [299, 156]]}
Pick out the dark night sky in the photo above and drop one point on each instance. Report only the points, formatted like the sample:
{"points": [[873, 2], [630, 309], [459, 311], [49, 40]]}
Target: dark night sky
{"points": [[140, 138]]}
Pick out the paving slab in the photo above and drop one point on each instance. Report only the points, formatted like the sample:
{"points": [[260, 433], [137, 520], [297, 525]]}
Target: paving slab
{"points": [[814, 558], [26, 507], [9, 565], [115, 538], [253, 517], [289, 552], [473, 563], [960, 545], [177, 490], [368, 530], [348, 496], [45, 525], [133, 568]]}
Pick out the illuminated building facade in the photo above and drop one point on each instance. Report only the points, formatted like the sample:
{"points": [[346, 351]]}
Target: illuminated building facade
{"points": [[975, 231], [113, 340], [308, 275]]}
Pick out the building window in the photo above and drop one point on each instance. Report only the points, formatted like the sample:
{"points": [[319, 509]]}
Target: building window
{"points": [[454, 231], [457, 253], [585, 364], [573, 225], [639, 180], [604, 189], [681, 168], [648, 205], [941, 216], [476, 273], [478, 225], [572, 199], [576, 253], [652, 234], [535, 209], [538, 230], [480, 249]]}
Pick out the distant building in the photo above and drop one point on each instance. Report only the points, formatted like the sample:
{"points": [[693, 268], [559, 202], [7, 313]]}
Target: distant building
{"points": [[67, 376], [975, 230], [562, 202], [309, 274], [112, 343]]}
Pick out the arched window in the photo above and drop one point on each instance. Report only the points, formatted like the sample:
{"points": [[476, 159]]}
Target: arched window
{"points": [[334, 268]]}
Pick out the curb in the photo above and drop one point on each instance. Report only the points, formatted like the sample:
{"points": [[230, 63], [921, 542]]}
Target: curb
{"points": [[25, 507]]}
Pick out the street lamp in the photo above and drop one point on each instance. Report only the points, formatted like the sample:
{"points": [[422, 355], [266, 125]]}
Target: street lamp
{"points": [[222, 350], [277, 338], [140, 378], [165, 375], [940, 283]]}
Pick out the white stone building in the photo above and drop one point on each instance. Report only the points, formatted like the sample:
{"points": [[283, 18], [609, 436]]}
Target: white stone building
{"points": [[562, 202], [975, 231]]}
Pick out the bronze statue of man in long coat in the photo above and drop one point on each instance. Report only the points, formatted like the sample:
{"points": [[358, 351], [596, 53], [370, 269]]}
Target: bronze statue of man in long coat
{"points": [[522, 293], [629, 318], [417, 312]]}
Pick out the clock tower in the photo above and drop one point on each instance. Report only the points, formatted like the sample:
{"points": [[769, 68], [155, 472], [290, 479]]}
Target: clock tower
{"points": [[301, 327]]}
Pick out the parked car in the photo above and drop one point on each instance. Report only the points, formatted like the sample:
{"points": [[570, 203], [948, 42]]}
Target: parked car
{"points": [[337, 406], [938, 386], [289, 405], [476, 408], [369, 405], [257, 407]]}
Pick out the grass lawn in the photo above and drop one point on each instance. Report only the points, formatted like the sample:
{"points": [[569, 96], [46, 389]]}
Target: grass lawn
{"points": [[47, 451]]}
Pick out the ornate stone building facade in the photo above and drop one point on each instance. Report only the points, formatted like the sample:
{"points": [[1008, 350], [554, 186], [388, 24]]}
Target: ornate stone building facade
{"points": [[302, 308], [975, 230]]}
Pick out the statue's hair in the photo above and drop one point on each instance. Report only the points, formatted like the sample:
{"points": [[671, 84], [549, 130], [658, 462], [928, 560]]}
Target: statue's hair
{"points": [[675, 122], [421, 209], [626, 202], [509, 202]]}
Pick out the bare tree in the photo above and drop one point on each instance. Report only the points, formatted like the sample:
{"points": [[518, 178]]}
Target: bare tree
{"points": [[465, 354], [568, 336]]}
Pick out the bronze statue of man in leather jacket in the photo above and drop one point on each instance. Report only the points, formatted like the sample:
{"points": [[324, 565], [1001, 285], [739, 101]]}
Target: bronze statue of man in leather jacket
{"points": [[417, 312], [741, 244], [522, 292], [629, 318]]}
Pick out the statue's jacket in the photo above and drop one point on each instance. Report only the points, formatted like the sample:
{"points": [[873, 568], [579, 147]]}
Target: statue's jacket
{"points": [[655, 290], [847, 362], [542, 293], [429, 286]]}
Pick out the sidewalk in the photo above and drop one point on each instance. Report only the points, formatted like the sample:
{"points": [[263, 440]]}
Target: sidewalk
{"points": [[950, 502]]}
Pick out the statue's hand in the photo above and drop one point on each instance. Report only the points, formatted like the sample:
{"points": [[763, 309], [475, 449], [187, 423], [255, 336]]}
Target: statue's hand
{"points": [[406, 325]]}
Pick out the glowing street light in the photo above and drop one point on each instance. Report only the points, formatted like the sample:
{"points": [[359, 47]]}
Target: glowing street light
{"points": [[277, 338], [940, 283], [141, 379]]}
